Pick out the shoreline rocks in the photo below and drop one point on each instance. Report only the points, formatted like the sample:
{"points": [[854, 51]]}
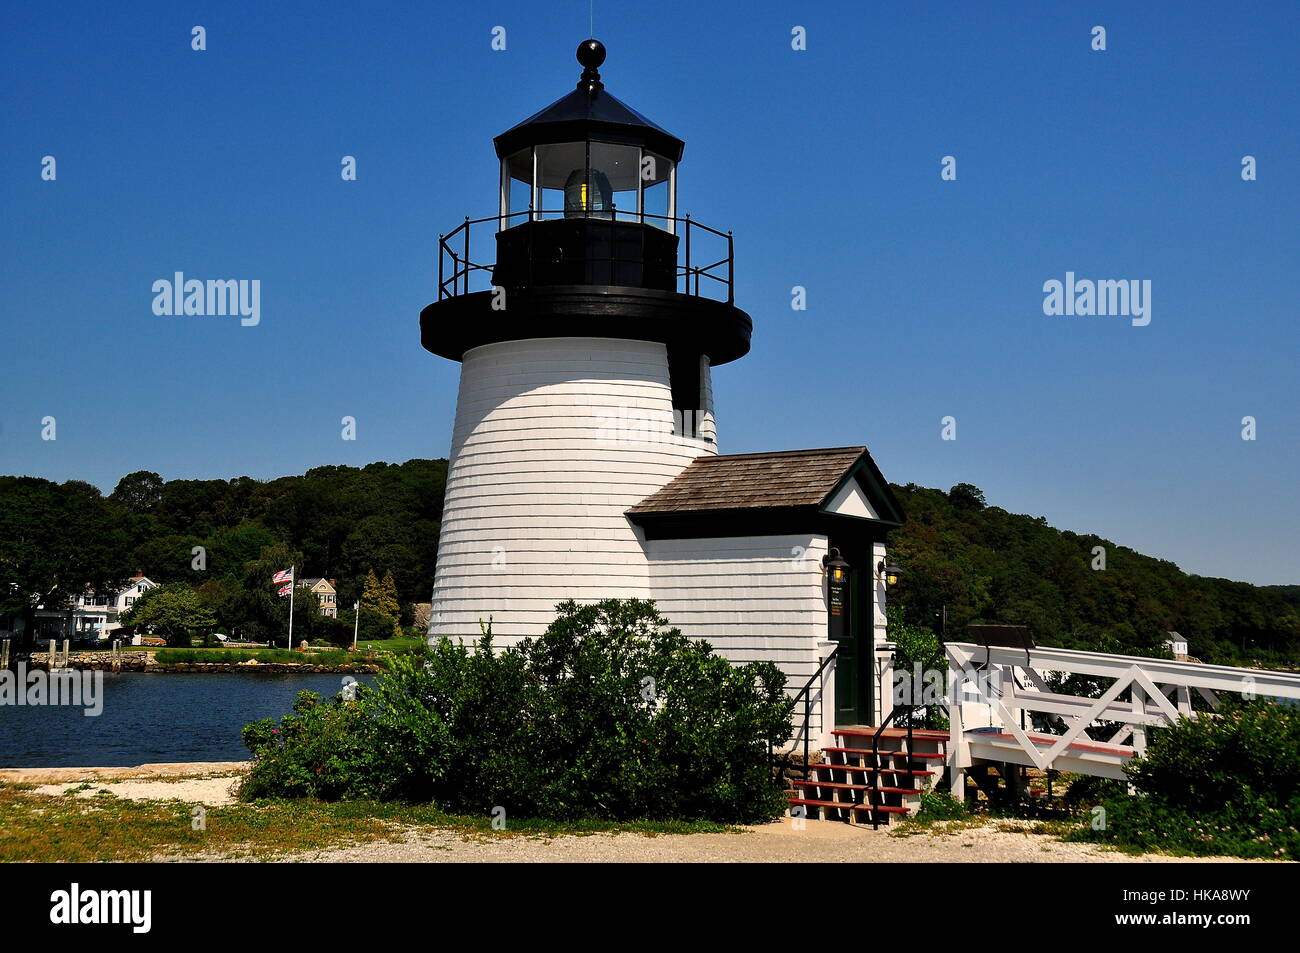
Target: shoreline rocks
{"points": [[145, 662]]}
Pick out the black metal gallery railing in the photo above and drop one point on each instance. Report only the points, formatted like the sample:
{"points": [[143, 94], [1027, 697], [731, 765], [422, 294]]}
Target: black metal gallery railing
{"points": [[619, 241]]}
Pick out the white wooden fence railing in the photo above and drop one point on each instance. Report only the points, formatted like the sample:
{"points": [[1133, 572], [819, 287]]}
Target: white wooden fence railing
{"points": [[993, 694]]}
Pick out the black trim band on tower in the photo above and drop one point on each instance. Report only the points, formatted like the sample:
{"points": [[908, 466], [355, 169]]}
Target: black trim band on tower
{"points": [[452, 326]]}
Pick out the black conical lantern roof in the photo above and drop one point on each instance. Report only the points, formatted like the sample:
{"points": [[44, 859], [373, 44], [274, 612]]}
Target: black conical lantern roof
{"points": [[589, 112]]}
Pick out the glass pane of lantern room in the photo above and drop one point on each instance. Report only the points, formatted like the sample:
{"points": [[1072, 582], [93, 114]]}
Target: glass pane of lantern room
{"points": [[615, 168], [656, 180], [560, 166], [518, 178]]}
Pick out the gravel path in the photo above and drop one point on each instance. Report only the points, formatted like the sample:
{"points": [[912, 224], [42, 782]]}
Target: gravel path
{"points": [[818, 842]]}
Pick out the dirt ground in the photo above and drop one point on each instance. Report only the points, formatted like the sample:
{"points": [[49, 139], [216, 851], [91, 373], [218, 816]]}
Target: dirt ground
{"points": [[210, 792], [778, 842], [187, 769]]}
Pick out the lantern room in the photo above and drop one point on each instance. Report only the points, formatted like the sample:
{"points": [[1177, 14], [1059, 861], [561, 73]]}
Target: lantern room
{"points": [[588, 155], [588, 192], [587, 240]]}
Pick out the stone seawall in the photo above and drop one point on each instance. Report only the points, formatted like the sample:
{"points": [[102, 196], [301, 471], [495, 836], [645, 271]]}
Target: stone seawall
{"points": [[144, 662]]}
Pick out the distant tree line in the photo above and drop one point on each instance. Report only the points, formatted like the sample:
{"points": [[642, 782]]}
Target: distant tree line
{"points": [[225, 539], [987, 565], [981, 563]]}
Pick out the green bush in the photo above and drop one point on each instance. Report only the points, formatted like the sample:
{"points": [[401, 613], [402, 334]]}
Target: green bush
{"points": [[334, 632], [1217, 784], [607, 715], [941, 806], [917, 648], [375, 626], [1085, 791], [325, 749]]}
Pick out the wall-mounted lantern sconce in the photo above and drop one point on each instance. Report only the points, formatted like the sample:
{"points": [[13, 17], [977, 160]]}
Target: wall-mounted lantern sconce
{"points": [[891, 573], [835, 565], [837, 595]]}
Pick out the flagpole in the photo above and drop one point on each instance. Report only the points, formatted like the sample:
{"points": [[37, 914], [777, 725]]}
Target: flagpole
{"points": [[356, 623], [293, 584]]}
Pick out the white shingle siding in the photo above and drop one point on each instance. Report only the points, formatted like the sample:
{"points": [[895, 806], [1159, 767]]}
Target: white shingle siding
{"points": [[751, 598], [554, 439]]}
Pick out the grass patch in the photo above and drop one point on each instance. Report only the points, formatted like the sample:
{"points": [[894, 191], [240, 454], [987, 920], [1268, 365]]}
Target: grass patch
{"points": [[403, 644], [235, 656], [939, 813], [41, 828], [371, 652]]}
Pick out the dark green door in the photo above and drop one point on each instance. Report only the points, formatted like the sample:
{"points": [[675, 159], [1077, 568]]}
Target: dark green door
{"points": [[853, 662]]}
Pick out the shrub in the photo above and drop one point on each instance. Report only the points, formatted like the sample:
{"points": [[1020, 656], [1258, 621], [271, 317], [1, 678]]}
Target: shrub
{"points": [[333, 632], [607, 715], [647, 722], [1084, 791], [375, 626], [941, 806], [324, 749], [1218, 784], [917, 648]]}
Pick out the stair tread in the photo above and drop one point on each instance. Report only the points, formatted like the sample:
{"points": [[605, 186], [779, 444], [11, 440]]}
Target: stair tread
{"points": [[841, 786], [857, 767], [915, 755], [925, 734], [882, 809]]}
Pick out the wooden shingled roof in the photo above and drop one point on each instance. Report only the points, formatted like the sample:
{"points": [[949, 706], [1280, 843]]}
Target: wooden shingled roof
{"points": [[790, 478]]}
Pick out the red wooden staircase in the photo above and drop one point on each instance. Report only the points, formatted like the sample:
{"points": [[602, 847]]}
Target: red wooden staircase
{"points": [[854, 784]]}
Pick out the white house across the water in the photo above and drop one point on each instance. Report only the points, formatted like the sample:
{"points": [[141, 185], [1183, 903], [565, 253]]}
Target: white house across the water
{"points": [[92, 616], [587, 316]]}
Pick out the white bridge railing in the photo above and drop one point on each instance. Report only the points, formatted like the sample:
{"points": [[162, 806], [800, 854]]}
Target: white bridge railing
{"points": [[993, 694]]}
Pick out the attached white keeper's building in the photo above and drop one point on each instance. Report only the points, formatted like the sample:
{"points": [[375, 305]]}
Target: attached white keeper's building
{"points": [[587, 317]]}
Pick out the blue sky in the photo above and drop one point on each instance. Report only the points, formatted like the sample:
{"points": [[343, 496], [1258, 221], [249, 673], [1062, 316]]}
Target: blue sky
{"points": [[924, 296]]}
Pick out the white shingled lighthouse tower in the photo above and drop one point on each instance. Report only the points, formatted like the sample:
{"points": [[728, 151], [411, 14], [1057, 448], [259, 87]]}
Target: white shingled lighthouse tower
{"points": [[587, 316]]}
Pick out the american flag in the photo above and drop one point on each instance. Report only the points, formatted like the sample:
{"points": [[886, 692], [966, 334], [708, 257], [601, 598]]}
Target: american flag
{"points": [[284, 575]]}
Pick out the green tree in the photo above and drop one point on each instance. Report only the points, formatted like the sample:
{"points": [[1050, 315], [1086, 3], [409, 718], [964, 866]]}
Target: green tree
{"points": [[139, 492], [176, 611], [167, 558], [230, 548], [380, 599], [55, 542], [256, 608], [391, 601], [966, 496], [308, 623]]}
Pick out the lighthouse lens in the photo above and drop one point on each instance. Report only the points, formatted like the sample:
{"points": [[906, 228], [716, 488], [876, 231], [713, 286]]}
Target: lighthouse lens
{"points": [[588, 195]]}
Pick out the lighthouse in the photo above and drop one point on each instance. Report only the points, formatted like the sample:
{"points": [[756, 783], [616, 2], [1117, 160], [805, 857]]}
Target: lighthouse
{"points": [[587, 316]]}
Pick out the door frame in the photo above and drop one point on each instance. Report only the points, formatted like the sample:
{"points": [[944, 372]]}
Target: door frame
{"points": [[856, 678]]}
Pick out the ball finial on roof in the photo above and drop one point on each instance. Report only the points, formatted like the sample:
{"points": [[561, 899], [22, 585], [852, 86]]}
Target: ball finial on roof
{"points": [[591, 53]]}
